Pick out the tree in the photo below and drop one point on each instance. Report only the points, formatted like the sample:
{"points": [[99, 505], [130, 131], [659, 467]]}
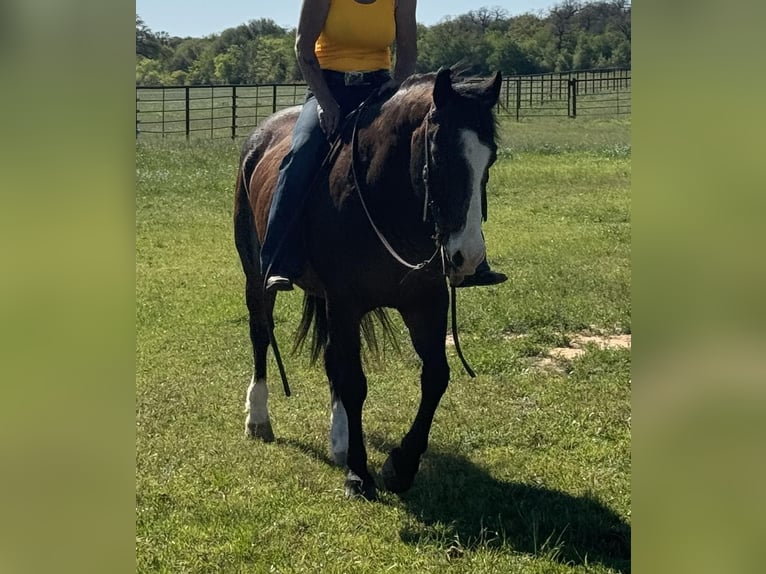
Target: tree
{"points": [[621, 21], [507, 56], [187, 52], [586, 54], [561, 19], [273, 60], [451, 42], [147, 44], [202, 70], [231, 66], [150, 72], [572, 34], [486, 18]]}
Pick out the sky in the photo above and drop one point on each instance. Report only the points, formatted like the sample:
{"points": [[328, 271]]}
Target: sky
{"points": [[199, 18]]}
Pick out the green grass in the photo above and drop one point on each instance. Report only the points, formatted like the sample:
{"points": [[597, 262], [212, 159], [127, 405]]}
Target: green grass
{"points": [[529, 467]]}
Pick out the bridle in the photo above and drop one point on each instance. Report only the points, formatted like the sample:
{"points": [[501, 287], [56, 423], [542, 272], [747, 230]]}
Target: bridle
{"points": [[427, 208], [355, 160]]}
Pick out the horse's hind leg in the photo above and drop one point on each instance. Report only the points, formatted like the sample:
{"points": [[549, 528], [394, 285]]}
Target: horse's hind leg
{"points": [[427, 324], [259, 305]]}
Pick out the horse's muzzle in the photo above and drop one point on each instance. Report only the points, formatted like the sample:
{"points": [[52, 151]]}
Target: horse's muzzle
{"points": [[459, 265]]}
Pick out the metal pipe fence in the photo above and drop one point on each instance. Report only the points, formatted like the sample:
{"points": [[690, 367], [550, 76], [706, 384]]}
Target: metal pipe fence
{"points": [[234, 110]]}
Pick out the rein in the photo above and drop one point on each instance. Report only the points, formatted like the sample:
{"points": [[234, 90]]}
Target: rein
{"points": [[381, 237], [384, 241]]}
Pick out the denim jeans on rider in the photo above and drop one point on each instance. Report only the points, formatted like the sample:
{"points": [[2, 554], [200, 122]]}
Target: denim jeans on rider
{"points": [[283, 252]]}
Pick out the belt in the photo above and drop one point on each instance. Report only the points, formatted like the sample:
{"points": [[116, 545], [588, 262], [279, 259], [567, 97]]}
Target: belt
{"points": [[356, 78]]}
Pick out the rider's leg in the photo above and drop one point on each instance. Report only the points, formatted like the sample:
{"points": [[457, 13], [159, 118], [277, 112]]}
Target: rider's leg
{"points": [[282, 253]]}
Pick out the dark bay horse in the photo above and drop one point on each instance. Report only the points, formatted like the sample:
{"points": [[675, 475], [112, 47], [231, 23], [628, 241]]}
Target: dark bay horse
{"points": [[398, 208]]}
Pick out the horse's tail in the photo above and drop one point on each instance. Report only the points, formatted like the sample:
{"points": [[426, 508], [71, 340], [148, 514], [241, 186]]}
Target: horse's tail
{"points": [[245, 237], [315, 314]]}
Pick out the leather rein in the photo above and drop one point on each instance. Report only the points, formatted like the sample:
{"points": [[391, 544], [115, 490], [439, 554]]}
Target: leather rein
{"points": [[355, 160]]}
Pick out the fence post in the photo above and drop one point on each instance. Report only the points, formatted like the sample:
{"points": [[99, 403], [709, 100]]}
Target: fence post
{"points": [[530, 91], [575, 84], [518, 97], [618, 102], [571, 105], [187, 112], [163, 112], [138, 112], [234, 112], [274, 98]]}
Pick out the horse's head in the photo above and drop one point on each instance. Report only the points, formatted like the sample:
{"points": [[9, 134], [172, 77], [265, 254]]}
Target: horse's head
{"points": [[459, 148]]}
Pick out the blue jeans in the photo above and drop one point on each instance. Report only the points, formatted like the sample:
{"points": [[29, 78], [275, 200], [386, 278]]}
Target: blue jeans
{"points": [[283, 252]]}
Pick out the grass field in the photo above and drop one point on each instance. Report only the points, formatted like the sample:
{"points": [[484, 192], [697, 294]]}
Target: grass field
{"points": [[529, 465]]}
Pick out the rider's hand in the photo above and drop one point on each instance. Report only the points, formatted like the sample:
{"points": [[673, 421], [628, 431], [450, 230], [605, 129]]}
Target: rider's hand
{"points": [[329, 117]]}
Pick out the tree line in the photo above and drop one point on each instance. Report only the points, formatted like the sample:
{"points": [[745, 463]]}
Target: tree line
{"points": [[571, 35]]}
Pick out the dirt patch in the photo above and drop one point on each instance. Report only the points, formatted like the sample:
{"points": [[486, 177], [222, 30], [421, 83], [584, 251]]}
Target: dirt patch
{"points": [[580, 342], [547, 364], [578, 347]]}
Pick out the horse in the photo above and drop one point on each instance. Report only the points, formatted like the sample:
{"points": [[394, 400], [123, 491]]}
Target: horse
{"points": [[405, 181]]}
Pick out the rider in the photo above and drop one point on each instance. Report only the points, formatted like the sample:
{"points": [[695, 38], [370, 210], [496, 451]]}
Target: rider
{"points": [[344, 53]]}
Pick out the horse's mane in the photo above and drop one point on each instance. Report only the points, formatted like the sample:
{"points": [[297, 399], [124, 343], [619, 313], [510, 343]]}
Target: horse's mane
{"points": [[412, 100]]}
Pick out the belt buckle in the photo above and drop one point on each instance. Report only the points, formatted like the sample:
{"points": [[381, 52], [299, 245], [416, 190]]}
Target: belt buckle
{"points": [[353, 78]]}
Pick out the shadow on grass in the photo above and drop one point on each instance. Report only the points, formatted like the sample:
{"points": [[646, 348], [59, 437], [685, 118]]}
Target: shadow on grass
{"points": [[313, 451], [463, 507]]}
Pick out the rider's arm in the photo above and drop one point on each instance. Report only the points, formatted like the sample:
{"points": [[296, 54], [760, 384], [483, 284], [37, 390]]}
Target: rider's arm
{"points": [[310, 24], [406, 39]]}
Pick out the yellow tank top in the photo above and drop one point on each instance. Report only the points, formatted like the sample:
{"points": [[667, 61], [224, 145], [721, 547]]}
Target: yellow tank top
{"points": [[357, 37]]}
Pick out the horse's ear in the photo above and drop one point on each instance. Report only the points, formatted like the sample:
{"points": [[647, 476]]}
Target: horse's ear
{"points": [[492, 89], [443, 87]]}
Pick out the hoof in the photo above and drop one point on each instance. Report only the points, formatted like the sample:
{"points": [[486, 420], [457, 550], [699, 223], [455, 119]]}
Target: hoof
{"points": [[358, 488], [395, 478], [262, 431], [340, 458]]}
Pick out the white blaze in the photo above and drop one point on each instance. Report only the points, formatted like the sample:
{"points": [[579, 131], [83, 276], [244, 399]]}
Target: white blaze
{"points": [[469, 241]]}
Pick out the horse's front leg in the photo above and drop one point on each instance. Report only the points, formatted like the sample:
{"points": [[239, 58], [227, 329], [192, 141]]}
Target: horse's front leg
{"points": [[338, 429], [344, 370], [427, 323]]}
